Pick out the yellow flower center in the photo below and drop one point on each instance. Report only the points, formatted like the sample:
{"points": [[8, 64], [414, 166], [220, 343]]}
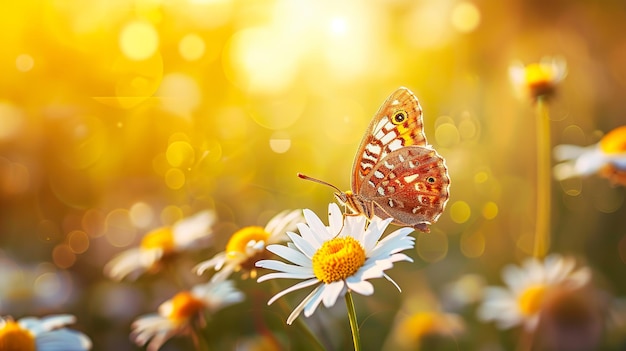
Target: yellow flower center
{"points": [[540, 79], [536, 74], [184, 306], [531, 300], [161, 238], [14, 338], [614, 142], [241, 238], [338, 259]]}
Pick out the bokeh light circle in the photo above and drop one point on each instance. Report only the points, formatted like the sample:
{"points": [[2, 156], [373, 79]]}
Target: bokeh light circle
{"points": [[139, 40]]}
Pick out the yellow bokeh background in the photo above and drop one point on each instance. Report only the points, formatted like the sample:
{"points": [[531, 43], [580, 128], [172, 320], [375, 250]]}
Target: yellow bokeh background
{"points": [[120, 116]]}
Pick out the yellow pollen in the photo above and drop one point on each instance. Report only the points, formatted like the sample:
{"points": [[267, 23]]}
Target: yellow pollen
{"points": [[14, 338], [614, 142], [338, 259], [161, 238], [531, 300], [185, 306], [238, 241]]}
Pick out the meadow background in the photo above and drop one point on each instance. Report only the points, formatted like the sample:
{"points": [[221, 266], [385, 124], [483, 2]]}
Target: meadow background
{"points": [[117, 117]]}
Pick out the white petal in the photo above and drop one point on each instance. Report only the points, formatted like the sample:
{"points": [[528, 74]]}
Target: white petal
{"points": [[292, 255], [317, 227], [307, 234], [393, 282], [296, 312], [285, 275], [304, 246], [63, 340], [362, 287], [216, 262], [335, 218], [283, 222], [132, 263], [314, 299], [300, 285], [332, 292], [283, 267], [189, 231]]}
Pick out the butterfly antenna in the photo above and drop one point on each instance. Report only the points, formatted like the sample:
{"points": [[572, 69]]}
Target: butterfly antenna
{"points": [[306, 177]]}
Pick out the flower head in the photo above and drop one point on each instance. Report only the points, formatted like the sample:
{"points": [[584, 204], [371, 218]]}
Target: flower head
{"points": [[176, 315], [529, 288], [45, 334], [189, 233], [538, 79], [606, 158], [337, 258], [247, 246]]}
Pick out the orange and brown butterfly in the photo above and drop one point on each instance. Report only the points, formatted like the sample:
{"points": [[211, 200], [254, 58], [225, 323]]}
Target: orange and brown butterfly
{"points": [[396, 173]]}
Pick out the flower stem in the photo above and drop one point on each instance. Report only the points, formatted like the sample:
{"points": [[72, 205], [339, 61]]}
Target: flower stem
{"points": [[544, 179], [353, 322]]}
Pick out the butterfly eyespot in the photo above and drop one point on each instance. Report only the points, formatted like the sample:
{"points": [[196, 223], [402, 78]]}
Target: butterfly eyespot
{"points": [[430, 180], [399, 117]]}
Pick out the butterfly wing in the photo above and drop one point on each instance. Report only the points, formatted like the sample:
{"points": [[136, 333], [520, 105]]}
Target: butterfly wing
{"points": [[398, 123], [410, 184]]}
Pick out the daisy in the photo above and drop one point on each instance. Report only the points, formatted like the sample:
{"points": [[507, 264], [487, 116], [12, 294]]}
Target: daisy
{"points": [[336, 259], [538, 79], [189, 233], [247, 246], [606, 158], [45, 334], [414, 329], [529, 288], [176, 315]]}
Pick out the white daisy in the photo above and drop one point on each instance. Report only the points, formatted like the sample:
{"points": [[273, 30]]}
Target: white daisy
{"points": [[607, 157], [190, 233], [175, 316], [247, 246], [42, 334], [529, 287], [538, 79], [337, 258]]}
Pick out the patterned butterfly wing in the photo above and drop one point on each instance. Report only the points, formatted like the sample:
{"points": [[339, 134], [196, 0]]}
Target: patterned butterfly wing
{"points": [[398, 123], [411, 185]]}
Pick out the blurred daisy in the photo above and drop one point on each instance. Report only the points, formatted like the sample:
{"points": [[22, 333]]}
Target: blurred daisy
{"points": [[177, 315], [529, 287], [606, 158], [538, 79], [412, 331], [190, 233], [247, 246], [45, 334], [337, 258]]}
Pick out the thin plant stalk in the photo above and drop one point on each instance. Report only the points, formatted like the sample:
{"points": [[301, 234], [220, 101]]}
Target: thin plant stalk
{"points": [[354, 326], [544, 180]]}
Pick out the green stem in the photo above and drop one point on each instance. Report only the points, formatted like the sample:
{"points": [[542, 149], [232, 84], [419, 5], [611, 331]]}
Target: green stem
{"points": [[353, 322], [544, 179]]}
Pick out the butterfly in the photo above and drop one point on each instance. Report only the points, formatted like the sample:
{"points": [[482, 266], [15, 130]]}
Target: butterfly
{"points": [[396, 173]]}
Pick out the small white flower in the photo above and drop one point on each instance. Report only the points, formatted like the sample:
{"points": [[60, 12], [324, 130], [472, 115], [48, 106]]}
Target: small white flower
{"points": [[189, 233], [529, 287], [175, 315], [247, 246], [609, 152], [42, 334], [338, 258], [538, 79]]}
